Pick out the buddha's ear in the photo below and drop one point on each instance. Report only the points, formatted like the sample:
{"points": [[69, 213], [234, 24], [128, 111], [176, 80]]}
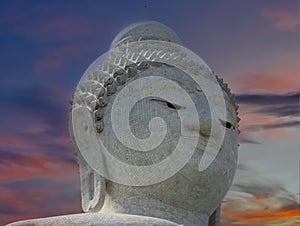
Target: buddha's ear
{"points": [[84, 138], [92, 188]]}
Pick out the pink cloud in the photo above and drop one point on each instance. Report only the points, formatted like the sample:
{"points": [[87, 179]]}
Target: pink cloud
{"points": [[49, 64], [250, 117], [21, 142], [58, 57], [282, 20], [73, 38], [260, 203], [278, 76], [34, 167], [37, 200]]}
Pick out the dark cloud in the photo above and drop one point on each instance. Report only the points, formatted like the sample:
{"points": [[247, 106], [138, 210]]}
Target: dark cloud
{"points": [[31, 183], [257, 99], [280, 111], [245, 140], [33, 159], [257, 186], [30, 198], [277, 125], [33, 100], [248, 138], [35, 118], [282, 125], [274, 105], [19, 167], [259, 201], [267, 191], [242, 167], [286, 105], [6, 156]]}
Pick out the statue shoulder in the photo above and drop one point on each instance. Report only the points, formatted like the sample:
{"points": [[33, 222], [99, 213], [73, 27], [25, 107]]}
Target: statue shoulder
{"points": [[95, 219]]}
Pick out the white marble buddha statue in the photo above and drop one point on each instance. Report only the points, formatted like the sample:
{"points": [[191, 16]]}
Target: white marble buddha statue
{"points": [[141, 123]]}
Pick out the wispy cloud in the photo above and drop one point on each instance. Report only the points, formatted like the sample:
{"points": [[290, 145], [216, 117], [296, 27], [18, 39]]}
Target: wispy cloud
{"points": [[28, 199], [245, 139], [277, 125], [260, 202], [34, 166], [282, 20], [268, 99], [37, 165], [60, 39], [34, 133], [281, 111], [274, 105], [72, 38], [278, 75], [76, 36], [266, 113], [288, 216]]}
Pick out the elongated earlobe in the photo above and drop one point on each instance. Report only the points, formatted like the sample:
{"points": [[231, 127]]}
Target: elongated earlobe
{"points": [[83, 132], [92, 188]]}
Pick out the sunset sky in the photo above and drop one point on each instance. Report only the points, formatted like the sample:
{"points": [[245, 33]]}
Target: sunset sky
{"points": [[47, 45]]}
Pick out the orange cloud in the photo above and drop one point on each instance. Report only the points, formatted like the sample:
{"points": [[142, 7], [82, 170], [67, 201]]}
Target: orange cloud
{"points": [[282, 20], [262, 215], [261, 204], [261, 197]]}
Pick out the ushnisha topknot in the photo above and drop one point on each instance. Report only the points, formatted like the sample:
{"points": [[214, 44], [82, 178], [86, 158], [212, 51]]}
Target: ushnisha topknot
{"points": [[149, 30]]}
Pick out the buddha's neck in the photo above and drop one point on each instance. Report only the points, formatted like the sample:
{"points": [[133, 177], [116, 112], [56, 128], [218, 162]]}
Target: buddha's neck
{"points": [[153, 208]]}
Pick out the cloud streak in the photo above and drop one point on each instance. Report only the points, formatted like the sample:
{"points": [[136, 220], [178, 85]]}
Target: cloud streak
{"points": [[73, 38], [30, 198], [282, 20], [276, 105], [267, 112], [277, 75], [281, 111], [261, 202], [278, 125], [18, 166], [268, 99]]}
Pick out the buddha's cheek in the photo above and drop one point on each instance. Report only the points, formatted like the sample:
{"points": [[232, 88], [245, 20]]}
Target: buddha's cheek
{"points": [[209, 187]]}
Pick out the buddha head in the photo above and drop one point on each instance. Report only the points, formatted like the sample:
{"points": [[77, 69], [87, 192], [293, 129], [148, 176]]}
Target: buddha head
{"points": [[154, 129]]}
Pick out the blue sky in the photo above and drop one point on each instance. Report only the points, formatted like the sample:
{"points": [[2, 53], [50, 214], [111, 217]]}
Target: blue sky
{"points": [[47, 45]]}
